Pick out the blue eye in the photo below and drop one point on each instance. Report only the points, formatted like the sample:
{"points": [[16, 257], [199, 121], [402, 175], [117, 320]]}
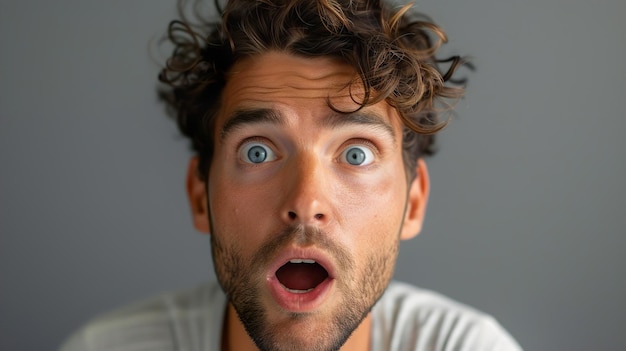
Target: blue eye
{"points": [[256, 153], [358, 155]]}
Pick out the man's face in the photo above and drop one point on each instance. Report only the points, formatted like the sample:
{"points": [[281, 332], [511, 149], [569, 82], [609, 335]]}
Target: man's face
{"points": [[306, 205]]}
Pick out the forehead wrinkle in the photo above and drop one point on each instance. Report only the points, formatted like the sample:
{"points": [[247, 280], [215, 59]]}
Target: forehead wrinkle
{"points": [[243, 117], [293, 91], [303, 74]]}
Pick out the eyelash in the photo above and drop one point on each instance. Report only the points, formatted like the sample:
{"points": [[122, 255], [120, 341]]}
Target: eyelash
{"points": [[252, 140], [364, 142]]}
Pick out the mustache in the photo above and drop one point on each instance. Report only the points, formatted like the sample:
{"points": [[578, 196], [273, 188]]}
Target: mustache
{"points": [[303, 236]]}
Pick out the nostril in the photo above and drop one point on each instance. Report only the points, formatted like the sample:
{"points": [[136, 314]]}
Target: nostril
{"points": [[292, 216]]}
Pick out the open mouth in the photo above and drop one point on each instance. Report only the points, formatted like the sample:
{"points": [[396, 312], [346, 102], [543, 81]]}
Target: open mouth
{"points": [[300, 276]]}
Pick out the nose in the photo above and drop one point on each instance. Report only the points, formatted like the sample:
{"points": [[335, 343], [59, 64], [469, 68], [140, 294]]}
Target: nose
{"points": [[306, 192]]}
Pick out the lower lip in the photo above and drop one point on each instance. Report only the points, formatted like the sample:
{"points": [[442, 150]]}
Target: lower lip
{"points": [[303, 302]]}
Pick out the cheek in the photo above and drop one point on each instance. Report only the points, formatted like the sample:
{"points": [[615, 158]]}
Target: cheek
{"points": [[375, 222], [236, 211], [374, 208]]}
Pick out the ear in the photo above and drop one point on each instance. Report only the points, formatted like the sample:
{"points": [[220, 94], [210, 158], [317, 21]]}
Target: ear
{"points": [[196, 193], [416, 203]]}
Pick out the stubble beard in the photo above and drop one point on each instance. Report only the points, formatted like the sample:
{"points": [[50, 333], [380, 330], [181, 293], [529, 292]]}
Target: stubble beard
{"points": [[242, 280]]}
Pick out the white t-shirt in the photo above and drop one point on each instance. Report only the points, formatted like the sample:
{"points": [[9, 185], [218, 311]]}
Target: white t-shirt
{"points": [[405, 318]]}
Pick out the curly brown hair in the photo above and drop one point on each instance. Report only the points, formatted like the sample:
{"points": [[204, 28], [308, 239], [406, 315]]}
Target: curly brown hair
{"points": [[392, 52]]}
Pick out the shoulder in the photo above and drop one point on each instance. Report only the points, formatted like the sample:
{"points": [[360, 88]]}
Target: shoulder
{"points": [[408, 318], [169, 321]]}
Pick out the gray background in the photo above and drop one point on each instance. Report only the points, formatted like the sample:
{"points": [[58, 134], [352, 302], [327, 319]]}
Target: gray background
{"points": [[526, 216]]}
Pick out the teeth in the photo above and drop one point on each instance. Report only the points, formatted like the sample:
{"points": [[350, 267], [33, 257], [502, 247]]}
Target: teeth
{"points": [[294, 291], [300, 260]]}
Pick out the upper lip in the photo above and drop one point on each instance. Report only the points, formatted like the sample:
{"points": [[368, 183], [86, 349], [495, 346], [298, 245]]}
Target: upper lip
{"points": [[310, 253]]}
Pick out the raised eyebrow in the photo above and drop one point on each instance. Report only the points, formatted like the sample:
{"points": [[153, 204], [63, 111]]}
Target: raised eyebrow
{"points": [[369, 118], [249, 116]]}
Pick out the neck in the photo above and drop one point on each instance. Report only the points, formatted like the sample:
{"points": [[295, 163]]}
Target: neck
{"points": [[235, 338]]}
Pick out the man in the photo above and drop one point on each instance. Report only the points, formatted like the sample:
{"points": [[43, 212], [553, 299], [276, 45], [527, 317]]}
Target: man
{"points": [[309, 121]]}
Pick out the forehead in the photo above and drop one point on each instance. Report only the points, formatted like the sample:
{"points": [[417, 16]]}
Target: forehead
{"points": [[285, 72], [276, 75], [282, 81]]}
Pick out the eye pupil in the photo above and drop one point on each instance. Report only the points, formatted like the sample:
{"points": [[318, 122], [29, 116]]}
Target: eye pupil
{"points": [[257, 154], [356, 156]]}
